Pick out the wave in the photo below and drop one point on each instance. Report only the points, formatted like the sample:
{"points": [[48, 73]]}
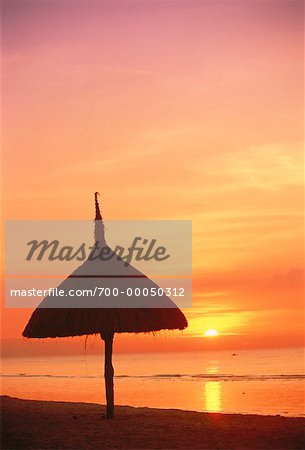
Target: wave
{"points": [[190, 377]]}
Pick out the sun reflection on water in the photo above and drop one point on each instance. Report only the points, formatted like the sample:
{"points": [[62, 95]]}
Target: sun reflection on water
{"points": [[212, 367], [212, 389], [212, 396]]}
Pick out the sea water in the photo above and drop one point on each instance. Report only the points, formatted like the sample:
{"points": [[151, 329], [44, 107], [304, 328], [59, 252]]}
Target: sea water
{"points": [[250, 382]]}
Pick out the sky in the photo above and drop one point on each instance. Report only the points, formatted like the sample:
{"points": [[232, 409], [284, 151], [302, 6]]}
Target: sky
{"points": [[172, 110]]}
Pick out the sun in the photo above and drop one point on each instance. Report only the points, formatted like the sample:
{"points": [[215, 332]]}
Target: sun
{"points": [[211, 332]]}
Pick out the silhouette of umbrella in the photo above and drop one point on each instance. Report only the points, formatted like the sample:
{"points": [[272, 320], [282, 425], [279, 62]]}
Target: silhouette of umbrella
{"points": [[76, 316]]}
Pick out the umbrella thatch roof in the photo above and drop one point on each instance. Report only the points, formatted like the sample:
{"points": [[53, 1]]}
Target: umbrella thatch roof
{"points": [[76, 316], [76, 322]]}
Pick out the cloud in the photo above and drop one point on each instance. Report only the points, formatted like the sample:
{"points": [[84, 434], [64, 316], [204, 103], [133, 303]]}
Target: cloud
{"points": [[263, 167]]}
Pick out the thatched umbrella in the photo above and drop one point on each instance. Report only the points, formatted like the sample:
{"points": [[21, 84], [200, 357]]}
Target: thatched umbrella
{"points": [[70, 316]]}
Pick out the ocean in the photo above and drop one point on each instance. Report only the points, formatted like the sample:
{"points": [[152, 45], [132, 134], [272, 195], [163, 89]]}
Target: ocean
{"points": [[267, 382]]}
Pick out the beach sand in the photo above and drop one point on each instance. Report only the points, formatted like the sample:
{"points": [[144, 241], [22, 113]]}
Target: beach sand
{"points": [[30, 424]]}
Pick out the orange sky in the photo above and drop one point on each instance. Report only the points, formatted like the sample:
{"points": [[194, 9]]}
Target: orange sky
{"points": [[172, 110]]}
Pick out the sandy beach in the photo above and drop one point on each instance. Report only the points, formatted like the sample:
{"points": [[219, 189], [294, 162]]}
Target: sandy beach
{"points": [[29, 424]]}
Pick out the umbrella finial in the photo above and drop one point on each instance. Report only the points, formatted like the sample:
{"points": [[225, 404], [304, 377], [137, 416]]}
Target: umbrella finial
{"points": [[99, 226], [98, 215]]}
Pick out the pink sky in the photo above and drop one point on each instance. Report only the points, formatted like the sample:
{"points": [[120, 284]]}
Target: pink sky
{"points": [[173, 110]]}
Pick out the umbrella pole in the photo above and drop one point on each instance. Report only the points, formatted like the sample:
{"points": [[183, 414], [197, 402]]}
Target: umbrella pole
{"points": [[108, 373]]}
